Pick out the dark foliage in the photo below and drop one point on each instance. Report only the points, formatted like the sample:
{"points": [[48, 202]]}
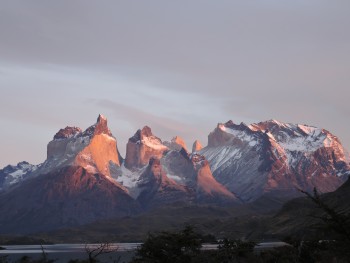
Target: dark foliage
{"points": [[333, 223], [234, 250], [170, 247]]}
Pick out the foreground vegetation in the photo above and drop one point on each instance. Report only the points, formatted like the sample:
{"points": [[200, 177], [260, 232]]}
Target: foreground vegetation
{"points": [[185, 247]]}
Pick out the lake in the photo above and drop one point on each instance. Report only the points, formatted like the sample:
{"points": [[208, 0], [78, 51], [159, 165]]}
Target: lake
{"points": [[62, 253]]}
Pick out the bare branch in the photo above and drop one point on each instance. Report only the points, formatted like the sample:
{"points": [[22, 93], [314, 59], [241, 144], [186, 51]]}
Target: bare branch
{"points": [[95, 251]]}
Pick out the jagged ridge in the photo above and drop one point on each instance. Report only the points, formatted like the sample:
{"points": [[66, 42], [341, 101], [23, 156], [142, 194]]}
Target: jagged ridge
{"points": [[252, 160], [241, 163]]}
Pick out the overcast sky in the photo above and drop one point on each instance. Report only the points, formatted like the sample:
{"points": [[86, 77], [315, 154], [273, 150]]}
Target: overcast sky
{"points": [[178, 66]]}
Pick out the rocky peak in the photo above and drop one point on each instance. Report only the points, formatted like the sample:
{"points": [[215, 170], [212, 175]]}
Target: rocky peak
{"points": [[141, 134], [176, 143], [141, 147], [146, 132], [11, 175], [101, 150], [197, 146], [228, 133], [179, 141], [67, 133], [92, 149], [100, 127], [231, 125]]}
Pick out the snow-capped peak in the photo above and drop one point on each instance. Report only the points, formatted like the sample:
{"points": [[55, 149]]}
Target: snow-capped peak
{"points": [[291, 137], [11, 174]]}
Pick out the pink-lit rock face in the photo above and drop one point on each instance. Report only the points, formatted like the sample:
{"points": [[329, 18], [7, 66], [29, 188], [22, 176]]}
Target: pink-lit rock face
{"points": [[206, 183], [92, 149], [197, 146], [142, 147], [97, 155], [177, 143], [100, 127]]}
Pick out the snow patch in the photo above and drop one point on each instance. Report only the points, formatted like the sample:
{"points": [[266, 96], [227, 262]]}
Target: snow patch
{"points": [[128, 178], [218, 156], [309, 129], [91, 169], [314, 139], [154, 143], [241, 135], [176, 178], [269, 134]]}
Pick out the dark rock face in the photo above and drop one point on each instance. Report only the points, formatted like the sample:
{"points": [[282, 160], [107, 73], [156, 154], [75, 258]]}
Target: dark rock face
{"points": [[67, 197], [275, 158], [192, 183], [157, 189], [194, 172]]}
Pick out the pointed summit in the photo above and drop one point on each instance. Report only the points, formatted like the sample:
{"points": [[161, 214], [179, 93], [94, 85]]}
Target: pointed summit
{"points": [[141, 134], [141, 147], [100, 127], [179, 141], [197, 146], [146, 132], [92, 149], [176, 144], [101, 117], [101, 150]]}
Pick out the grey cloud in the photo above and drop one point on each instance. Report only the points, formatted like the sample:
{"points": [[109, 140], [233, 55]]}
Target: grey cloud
{"points": [[246, 60]]}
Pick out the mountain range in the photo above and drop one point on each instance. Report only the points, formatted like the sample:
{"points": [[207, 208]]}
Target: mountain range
{"points": [[85, 178]]}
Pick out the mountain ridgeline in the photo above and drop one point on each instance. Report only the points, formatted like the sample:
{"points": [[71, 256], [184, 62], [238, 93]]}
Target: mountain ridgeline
{"points": [[85, 179]]}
